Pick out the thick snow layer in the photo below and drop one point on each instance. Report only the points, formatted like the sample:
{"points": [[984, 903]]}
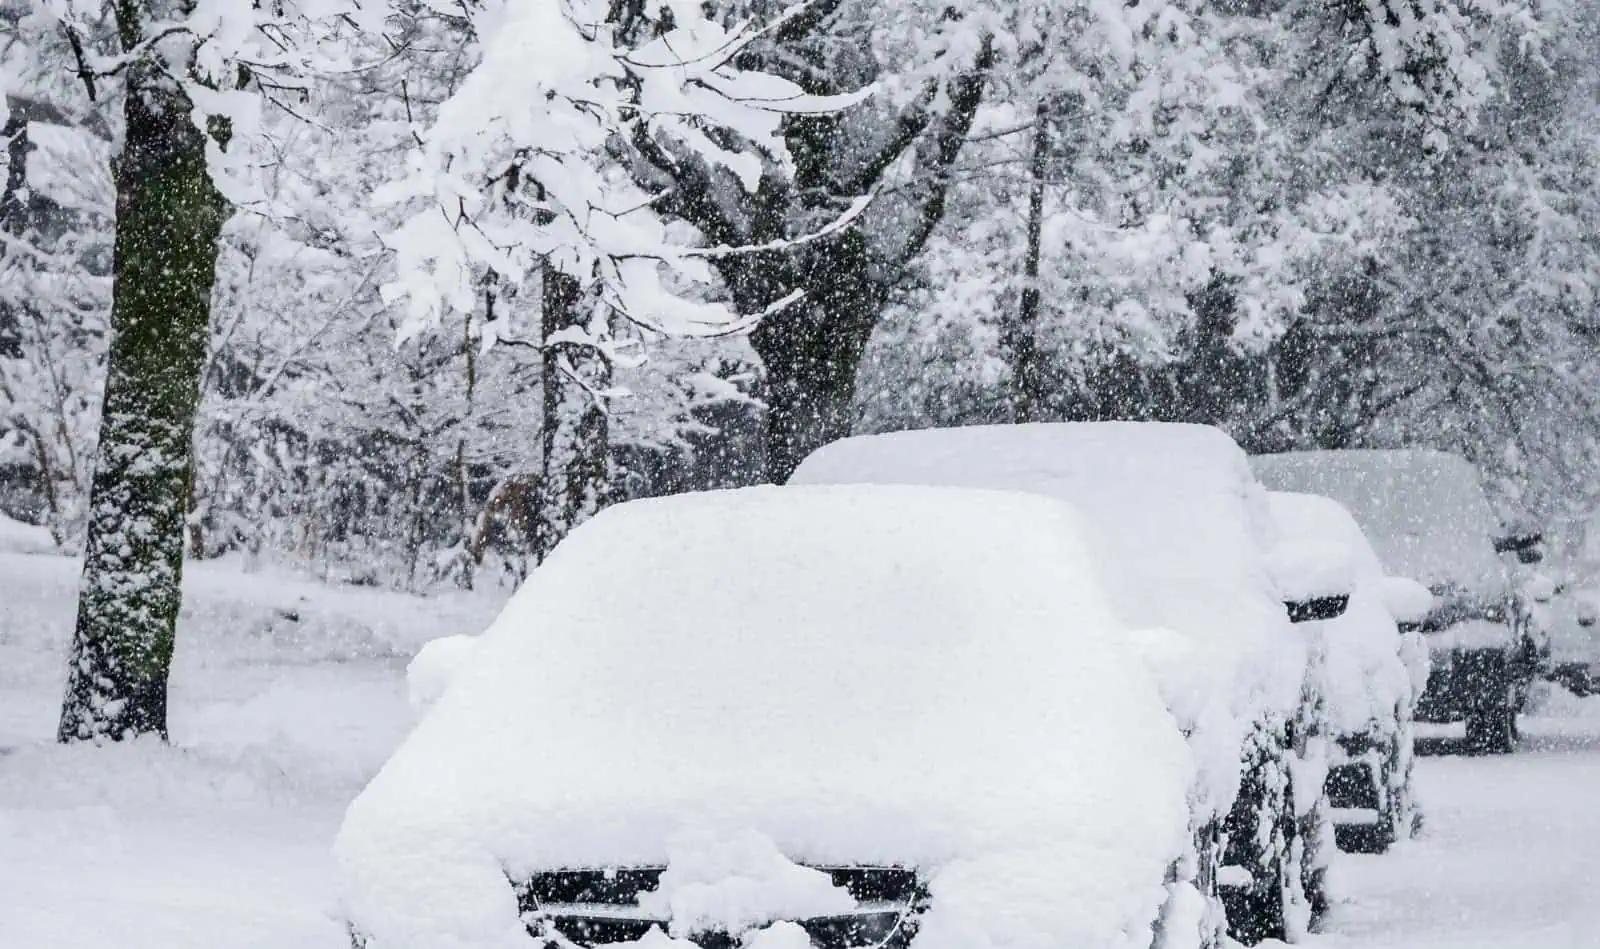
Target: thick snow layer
{"points": [[216, 843], [855, 675], [1508, 858], [736, 883], [1182, 533], [1362, 675], [1423, 511]]}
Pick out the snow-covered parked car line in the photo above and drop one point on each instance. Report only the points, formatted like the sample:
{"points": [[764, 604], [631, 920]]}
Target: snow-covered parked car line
{"points": [[1369, 675], [786, 717], [1426, 515], [1184, 537]]}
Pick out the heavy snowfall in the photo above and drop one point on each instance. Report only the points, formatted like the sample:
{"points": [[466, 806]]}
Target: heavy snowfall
{"points": [[799, 474]]}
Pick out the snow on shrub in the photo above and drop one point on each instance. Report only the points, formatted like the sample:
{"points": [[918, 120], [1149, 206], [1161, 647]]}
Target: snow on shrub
{"points": [[732, 683]]}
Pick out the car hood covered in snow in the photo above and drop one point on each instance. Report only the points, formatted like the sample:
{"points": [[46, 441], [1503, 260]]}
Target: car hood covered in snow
{"points": [[908, 676]]}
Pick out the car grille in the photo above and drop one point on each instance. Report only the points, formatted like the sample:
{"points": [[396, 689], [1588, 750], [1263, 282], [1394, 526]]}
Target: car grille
{"points": [[588, 908]]}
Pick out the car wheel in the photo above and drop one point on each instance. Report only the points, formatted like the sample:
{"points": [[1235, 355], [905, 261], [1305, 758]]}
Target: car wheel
{"points": [[1492, 731], [1261, 885]]}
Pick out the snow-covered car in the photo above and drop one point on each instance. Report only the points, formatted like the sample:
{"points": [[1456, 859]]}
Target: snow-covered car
{"points": [[1369, 672], [1426, 515], [1184, 539], [776, 718], [1571, 619]]}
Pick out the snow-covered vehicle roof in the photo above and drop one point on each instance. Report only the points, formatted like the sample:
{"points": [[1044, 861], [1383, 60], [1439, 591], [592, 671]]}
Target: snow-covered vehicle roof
{"points": [[723, 683], [1424, 511], [1366, 669], [1181, 524]]}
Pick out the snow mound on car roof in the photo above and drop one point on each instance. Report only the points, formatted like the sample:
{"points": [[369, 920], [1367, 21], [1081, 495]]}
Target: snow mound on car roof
{"points": [[1365, 676], [860, 675], [1179, 523], [1424, 511]]}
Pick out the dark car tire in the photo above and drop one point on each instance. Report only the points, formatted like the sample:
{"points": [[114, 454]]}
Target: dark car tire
{"points": [[1363, 838], [1260, 910], [1492, 731]]}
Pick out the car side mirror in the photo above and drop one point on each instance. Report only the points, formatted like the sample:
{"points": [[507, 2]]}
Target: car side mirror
{"points": [[1408, 601], [1313, 608], [1539, 588], [1314, 578]]}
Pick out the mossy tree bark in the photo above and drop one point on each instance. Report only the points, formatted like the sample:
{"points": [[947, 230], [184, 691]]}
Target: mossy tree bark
{"points": [[169, 216]]}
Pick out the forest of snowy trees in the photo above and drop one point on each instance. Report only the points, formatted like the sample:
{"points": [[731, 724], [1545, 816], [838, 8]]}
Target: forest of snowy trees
{"points": [[400, 291]]}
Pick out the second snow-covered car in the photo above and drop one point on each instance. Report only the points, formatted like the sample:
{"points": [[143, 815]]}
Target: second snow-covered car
{"points": [[1369, 673], [1571, 620], [776, 718], [1185, 540], [1428, 519]]}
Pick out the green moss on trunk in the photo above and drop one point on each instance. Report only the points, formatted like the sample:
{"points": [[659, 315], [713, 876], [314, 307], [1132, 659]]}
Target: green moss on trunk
{"points": [[169, 216]]}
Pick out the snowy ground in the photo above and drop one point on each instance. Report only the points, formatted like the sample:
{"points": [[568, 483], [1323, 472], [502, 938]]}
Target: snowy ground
{"points": [[287, 695], [1509, 857]]}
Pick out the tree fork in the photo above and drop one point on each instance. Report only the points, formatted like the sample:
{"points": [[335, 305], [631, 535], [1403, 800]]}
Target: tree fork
{"points": [[812, 351], [169, 217]]}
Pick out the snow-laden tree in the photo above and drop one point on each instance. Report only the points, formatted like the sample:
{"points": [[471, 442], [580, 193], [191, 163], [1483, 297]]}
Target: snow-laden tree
{"points": [[187, 80], [1090, 211], [525, 189], [55, 256], [1470, 327], [1276, 265], [926, 65]]}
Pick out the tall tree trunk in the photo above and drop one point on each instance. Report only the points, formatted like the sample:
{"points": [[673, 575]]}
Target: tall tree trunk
{"points": [[575, 476], [1022, 336], [1212, 378], [168, 219], [812, 351]]}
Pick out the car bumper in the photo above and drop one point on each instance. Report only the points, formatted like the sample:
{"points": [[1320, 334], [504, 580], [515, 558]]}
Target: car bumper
{"points": [[1468, 682]]}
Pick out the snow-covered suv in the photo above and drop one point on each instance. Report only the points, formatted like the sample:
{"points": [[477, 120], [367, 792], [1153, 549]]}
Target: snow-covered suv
{"points": [[1426, 515], [1185, 542], [1370, 674], [774, 718]]}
